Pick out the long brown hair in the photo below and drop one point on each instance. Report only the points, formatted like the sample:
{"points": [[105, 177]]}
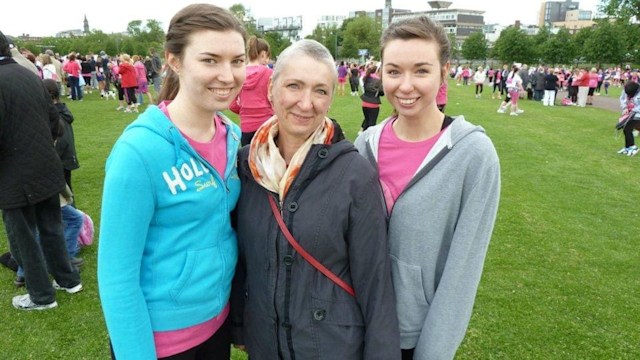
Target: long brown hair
{"points": [[190, 19], [256, 46]]}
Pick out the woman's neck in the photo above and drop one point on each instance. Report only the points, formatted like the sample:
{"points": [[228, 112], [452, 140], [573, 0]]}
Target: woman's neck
{"points": [[288, 146], [197, 125], [418, 129]]}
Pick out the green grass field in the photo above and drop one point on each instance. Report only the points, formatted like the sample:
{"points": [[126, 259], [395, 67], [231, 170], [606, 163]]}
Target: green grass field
{"points": [[562, 273]]}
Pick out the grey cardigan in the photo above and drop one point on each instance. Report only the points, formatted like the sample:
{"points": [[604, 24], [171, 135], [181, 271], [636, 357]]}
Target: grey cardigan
{"points": [[439, 231]]}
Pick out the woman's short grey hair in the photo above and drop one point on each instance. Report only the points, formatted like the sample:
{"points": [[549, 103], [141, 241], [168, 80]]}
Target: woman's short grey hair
{"points": [[306, 47]]}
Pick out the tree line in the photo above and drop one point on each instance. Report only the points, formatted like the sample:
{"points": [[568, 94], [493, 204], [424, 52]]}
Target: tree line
{"points": [[610, 42]]}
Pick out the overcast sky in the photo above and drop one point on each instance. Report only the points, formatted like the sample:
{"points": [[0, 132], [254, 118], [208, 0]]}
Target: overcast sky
{"points": [[46, 18]]}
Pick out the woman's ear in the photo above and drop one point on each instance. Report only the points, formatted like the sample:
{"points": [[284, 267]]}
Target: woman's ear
{"points": [[270, 91], [173, 61]]}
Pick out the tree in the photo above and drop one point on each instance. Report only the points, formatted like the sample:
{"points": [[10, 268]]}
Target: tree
{"points": [[475, 47], [134, 28], [327, 36], [514, 45], [453, 45], [622, 9], [605, 44], [239, 11], [630, 34], [539, 39], [559, 48], [277, 42], [361, 33], [580, 41]]}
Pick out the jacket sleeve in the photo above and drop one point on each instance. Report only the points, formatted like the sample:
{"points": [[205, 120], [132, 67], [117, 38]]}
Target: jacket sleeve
{"points": [[370, 270], [450, 311], [127, 210]]}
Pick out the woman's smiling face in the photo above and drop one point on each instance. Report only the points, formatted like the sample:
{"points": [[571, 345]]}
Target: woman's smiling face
{"points": [[411, 76]]}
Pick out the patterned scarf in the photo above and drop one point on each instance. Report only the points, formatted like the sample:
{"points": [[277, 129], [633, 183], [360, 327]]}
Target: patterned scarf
{"points": [[269, 168]]}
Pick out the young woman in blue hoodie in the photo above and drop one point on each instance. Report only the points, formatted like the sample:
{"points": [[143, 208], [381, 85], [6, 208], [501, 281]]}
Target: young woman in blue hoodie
{"points": [[441, 182], [167, 249]]}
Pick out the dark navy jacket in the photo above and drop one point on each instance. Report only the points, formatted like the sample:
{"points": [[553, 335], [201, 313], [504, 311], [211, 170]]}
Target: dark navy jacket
{"points": [[282, 307]]}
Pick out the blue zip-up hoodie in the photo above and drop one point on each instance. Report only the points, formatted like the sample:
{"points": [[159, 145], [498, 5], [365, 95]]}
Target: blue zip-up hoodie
{"points": [[167, 250]]}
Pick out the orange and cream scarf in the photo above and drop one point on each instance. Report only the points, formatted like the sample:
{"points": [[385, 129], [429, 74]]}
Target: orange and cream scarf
{"points": [[267, 165]]}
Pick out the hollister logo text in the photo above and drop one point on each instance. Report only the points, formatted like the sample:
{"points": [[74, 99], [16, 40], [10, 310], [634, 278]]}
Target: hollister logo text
{"points": [[187, 172]]}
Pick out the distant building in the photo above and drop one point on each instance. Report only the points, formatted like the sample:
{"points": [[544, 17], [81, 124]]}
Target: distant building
{"points": [[86, 24], [70, 33], [576, 20], [460, 22], [555, 11], [327, 21], [380, 15], [75, 32], [289, 27]]}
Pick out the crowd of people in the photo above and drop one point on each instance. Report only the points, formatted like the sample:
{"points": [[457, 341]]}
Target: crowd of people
{"points": [[277, 236], [123, 76], [581, 84]]}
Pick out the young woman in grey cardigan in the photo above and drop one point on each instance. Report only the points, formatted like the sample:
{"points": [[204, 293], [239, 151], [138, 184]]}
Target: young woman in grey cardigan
{"points": [[441, 181]]}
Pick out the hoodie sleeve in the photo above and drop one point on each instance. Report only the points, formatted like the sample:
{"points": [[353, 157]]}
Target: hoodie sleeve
{"points": [[450, 311], [127, 210]]}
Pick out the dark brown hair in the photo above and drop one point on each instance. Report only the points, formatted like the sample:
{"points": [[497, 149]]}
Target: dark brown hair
{"points": [[420, 27], [257, 45], [191, 19]]}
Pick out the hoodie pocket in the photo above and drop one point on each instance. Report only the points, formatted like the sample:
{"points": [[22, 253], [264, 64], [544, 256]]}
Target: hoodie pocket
{"points": [[411, 300], [201, 279]]}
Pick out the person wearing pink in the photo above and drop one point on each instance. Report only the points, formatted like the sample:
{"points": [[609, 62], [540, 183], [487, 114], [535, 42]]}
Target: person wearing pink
{"points": [[143, 83], [129, 82], [252, 104], [441, 98], [72, 67], [593, 84], [343, 71], [582, 81]]}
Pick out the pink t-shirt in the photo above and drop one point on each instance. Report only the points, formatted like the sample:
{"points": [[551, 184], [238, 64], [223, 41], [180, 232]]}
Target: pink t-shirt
{"points": [[215, 150], [174, 342], [399, 160]]}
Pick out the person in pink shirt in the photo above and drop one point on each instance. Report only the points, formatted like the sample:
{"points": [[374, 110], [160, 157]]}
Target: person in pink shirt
{"points": [[252, 104], [582, 81], [593, 84], [129, 82], [143, 83], [72, 67]]}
